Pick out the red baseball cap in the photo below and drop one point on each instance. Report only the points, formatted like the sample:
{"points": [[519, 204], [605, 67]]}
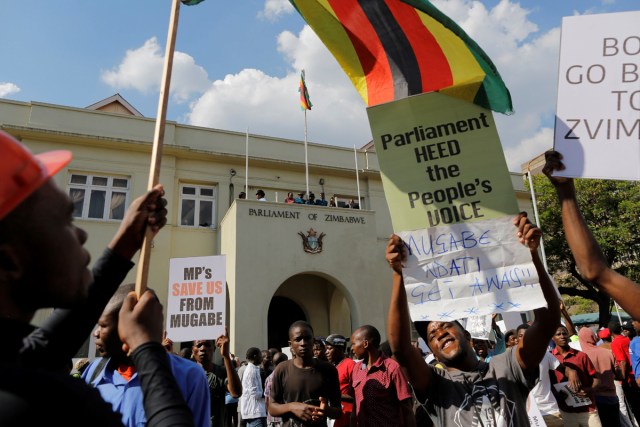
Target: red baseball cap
{"points": [[604, 333], [22, 172]]}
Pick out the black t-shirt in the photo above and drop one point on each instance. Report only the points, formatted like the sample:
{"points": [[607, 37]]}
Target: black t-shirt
{"points": [[307, 385]]}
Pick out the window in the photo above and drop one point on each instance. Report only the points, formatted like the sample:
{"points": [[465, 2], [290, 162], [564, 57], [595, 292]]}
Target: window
{"points": [[99, 197], [197, 205]]}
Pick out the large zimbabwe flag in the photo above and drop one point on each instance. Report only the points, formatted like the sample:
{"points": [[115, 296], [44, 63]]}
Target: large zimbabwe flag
{"points": [[391, 49]]}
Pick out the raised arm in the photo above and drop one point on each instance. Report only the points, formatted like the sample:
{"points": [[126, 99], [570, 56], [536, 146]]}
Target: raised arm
{"points": [[60, 336], [588, 255], [399, 323], [532, 347], [234, 385], [140, 330]]}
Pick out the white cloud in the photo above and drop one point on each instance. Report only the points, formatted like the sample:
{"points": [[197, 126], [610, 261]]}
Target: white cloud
{"points": [[7, 88], [526, 58], [141, 69], [528, 148], [527, 61], [270, 105], [273, 9]]}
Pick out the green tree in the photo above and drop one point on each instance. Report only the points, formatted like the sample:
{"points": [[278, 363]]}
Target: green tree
{"points": [[611, 210]]}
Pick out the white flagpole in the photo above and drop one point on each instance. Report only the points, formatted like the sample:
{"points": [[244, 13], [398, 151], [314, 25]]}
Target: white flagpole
{"points": [[306, 162], [246, 166], [355, 154], [537, 218]]}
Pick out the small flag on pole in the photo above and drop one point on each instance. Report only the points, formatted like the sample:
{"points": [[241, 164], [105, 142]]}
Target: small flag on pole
{"points": [[191, 2], [305, 102]]}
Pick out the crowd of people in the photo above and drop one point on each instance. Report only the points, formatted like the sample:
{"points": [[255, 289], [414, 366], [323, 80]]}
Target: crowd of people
{"points": [[302, 199], [326, 382]]}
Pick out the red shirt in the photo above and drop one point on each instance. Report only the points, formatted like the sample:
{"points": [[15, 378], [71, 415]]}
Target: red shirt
{"points": [[378, 393], [579, 361], [345, 368], [620, 349]]}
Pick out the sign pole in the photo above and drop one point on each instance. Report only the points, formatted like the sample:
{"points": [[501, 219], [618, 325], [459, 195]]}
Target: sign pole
{"points": [[158, 140]]}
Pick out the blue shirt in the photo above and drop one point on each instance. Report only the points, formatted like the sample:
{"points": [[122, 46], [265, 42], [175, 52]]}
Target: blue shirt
{"points": [[126, 397], [634, 352]]}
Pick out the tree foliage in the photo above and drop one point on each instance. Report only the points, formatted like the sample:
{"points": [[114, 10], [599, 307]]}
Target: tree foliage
{"points": [[611, 210]]}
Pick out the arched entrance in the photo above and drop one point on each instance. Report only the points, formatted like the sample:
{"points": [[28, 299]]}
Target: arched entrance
{"points": [[282, 313], [309, 297]]}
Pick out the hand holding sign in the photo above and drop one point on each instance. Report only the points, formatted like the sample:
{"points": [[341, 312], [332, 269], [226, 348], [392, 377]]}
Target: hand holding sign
{"points": [[222, 342], [396, 253], [528, 234]]}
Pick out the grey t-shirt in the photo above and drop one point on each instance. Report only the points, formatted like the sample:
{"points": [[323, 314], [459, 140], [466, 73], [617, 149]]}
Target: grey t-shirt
{"points": [[494, 395]]}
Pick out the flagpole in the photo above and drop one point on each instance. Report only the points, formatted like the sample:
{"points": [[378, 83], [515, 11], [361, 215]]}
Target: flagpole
{"points": [[355, 154], [306, 163], [246, 165], [537, 218], [142, 274]]}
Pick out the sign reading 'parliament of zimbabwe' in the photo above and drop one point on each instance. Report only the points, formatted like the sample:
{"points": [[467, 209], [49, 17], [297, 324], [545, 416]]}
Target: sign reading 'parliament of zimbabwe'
{"points": [[452, 202], [197, 298]]}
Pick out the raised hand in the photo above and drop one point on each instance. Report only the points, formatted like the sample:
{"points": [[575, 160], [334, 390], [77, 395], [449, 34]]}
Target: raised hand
{"points": [[140, 321], [222, 342], [147, 210], [553, 162], [396, 253], [528, 234]]}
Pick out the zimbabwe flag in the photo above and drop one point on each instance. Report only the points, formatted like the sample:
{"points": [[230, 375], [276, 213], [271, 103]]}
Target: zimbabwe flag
{"points": [[391, 49]]}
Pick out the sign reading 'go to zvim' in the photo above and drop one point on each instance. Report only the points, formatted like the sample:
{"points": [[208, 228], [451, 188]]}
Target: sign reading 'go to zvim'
{"points": [[452, 202]]}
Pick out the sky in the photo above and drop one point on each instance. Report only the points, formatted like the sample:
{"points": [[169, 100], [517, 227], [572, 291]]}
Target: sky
{"points": [[237, 63]]}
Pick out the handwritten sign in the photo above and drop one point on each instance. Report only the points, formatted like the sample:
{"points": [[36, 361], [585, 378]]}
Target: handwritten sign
{"points": [[471, 269], [197, 298], [598, 110], [451, 200]]}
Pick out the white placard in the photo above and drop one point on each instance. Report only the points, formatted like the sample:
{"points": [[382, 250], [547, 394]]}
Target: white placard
{"points": [[534, 414], [469, 269], [598, 112], [571, 398], [196, 306]]}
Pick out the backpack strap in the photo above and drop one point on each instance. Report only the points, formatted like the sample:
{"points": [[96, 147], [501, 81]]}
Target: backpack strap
{"points": [[99, 368]]}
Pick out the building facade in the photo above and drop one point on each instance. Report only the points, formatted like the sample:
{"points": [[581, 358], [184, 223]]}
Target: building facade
{"points": [[271, 279]]}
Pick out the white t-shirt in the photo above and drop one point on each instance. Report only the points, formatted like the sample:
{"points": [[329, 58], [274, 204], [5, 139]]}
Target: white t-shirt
{"points": [[542, 391]]}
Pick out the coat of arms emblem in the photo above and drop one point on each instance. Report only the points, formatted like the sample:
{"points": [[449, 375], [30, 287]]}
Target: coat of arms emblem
{"points": [[312, 242]]}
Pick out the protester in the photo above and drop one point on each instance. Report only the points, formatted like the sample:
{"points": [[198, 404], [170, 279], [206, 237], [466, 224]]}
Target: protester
{"points": [[335, 346], [583, 415], [252, 405], [35, 223], [510, 338], [589, 258], [277, 358], [117, 380], [627, 390], [220, 378], [318, 349], [604, 363], [305, 390], [468, 391], [260, 196], [382, 395]]}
